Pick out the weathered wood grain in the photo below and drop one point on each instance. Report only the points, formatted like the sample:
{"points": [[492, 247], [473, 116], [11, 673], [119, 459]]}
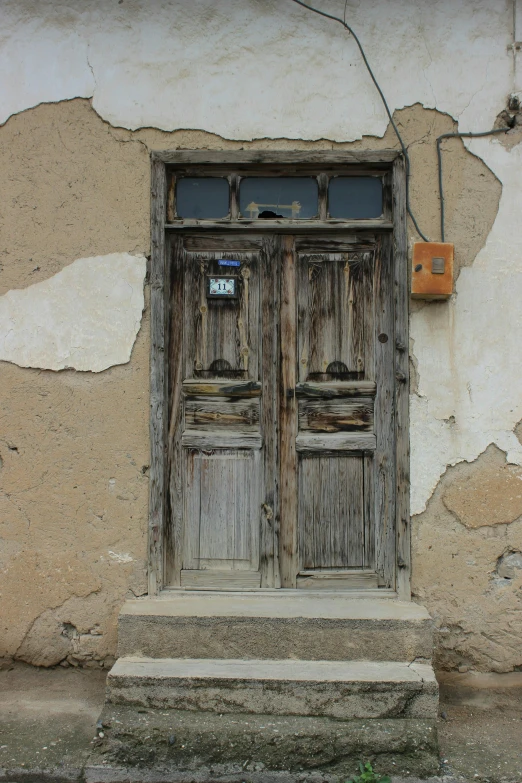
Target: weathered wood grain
{"points": [[402, 440], [270, 264], [351, 415], [283, 226], [215, 413], [339, 242], [222, 510], [385, 413], [333, 298], [220, 580], [197, 388], [215, 242], [222, 334], [207, 440], [337, 580], [174, 520], [288, 417], [158, 382], [316, 158], [334, 389], [338, 441], [331, 514], [369, 510]]}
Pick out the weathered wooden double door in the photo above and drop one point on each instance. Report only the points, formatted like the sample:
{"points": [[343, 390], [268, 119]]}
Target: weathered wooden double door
{"points": [[281, 446]]}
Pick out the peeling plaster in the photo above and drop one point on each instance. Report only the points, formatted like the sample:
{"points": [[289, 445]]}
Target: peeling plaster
{"points": [[197, 64], [85, 317], [469, 350], [121, 557]]}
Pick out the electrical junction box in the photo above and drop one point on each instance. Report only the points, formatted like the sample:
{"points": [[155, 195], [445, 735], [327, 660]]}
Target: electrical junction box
{"points": [[432, 270]]}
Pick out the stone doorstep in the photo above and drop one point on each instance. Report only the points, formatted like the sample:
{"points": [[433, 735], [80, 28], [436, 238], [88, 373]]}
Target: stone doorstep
{"points": [[336, 689], [274, 625], [276, 603], [230, 745]]}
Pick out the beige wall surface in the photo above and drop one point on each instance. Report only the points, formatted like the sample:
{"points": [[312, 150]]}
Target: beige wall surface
{"points": [[74, 317]]}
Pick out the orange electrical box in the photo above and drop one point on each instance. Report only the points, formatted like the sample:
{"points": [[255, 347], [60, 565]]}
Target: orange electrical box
{"points": [[432, 270]]}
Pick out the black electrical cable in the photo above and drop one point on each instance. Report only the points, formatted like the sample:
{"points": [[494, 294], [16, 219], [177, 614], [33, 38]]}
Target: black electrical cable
{"points": [[439, 158], [388, 112]]}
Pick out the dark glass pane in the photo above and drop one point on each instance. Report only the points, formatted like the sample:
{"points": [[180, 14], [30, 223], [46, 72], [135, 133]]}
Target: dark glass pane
{"points": [[202, 197], [276, 197], [355, 197]]}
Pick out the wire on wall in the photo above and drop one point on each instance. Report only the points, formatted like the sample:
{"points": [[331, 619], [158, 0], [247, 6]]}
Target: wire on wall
{"points": [[439, 158], [381, 94]]}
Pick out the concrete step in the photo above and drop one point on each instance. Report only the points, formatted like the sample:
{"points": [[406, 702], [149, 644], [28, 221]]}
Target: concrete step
{"points": [[274, 625], [206, 746], [335, 689]]}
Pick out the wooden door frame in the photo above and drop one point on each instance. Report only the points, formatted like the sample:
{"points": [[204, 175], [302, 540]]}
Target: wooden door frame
{"points": [[160, 287]]}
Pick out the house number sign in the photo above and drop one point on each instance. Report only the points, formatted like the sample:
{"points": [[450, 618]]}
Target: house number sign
{"points": [[223, 287]]}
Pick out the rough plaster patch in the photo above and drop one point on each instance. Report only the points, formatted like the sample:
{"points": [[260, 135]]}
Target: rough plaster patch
{"points": [[469, 350], [71, 632], [86, 317], [456, 572], [487, 497]]}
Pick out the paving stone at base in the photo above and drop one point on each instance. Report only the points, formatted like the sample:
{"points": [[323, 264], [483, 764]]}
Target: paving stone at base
{"points": [[56, 774], [191, 742]]}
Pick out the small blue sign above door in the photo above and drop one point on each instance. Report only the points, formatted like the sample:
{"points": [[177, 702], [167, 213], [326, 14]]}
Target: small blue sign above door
{"points": [[226, 262]]}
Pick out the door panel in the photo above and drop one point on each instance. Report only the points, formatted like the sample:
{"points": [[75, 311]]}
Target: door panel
{"points": [[222, 334], [331, 512], [355, 415], [335, 316], [336, 441], [221, 507], [219, 439]]}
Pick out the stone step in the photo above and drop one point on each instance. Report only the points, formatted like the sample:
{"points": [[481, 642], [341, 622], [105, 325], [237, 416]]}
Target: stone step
{"points": [[274, 625], [344, 690], [186, 746]]}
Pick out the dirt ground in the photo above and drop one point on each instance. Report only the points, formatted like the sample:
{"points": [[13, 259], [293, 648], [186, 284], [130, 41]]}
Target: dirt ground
{"points": [[48, 721]]}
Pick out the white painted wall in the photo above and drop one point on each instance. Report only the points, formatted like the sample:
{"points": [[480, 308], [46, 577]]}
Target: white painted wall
{"points": [[257, 68], [85, 317], [266, 68]]}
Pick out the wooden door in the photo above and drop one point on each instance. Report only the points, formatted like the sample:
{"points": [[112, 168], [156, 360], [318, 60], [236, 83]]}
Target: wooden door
{"points": [[338, 508], [281, 446]]}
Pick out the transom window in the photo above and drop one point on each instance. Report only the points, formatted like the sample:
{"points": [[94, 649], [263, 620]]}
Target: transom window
{"points": [[247, 196]]}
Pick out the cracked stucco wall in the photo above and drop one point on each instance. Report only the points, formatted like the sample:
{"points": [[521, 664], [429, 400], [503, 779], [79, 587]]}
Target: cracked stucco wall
{"points": [[86, 93]]}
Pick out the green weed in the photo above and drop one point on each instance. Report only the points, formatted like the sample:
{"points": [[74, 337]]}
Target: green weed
{"points": [[368, 775]]}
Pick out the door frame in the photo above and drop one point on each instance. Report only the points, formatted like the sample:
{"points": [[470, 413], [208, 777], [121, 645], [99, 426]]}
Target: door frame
{"points": [[164, 357]]}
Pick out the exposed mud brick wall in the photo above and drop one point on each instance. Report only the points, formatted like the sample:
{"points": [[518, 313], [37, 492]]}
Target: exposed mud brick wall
{"points": [[74, 446], [468, 564]]}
